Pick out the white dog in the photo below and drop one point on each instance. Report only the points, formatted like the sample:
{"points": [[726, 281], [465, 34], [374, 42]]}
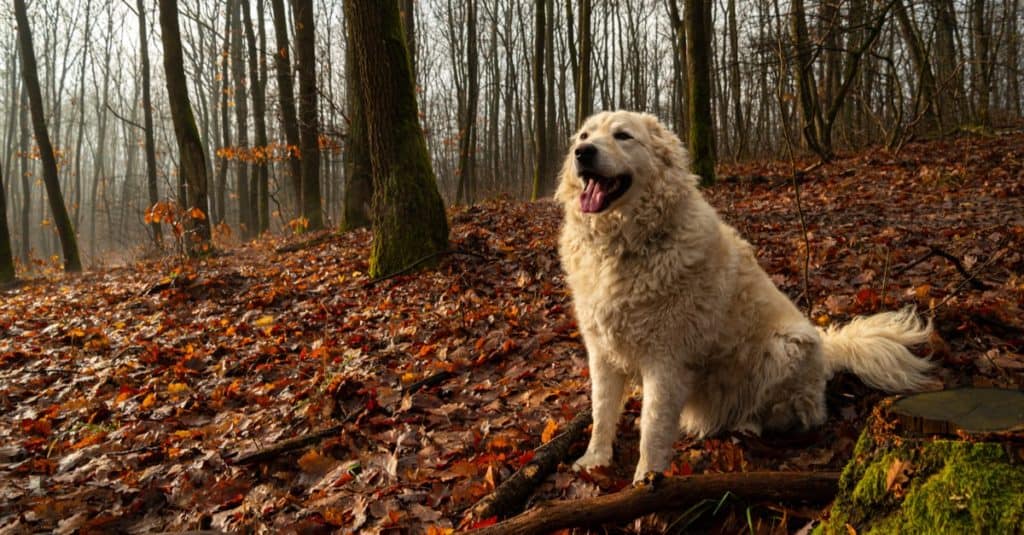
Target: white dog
{"points": [[668, 295]]}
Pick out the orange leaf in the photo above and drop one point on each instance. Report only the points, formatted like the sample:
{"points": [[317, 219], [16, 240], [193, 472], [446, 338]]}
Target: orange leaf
{"points": [[549, 431]]}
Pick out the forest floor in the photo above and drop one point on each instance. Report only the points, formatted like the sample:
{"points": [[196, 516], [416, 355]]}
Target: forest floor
{"points": [[125, 394]]}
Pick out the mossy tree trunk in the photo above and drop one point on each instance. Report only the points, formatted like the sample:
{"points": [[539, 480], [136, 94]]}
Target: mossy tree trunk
{"points": [[698, 66], [6, 258], [309, 124], [30, 74], [409, 222], [358, 167], [192, 169], [905, 477]]}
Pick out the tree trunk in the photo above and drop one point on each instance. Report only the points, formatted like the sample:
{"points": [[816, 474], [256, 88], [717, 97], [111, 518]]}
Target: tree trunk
{"points": [[735, 94], [358, 167], [980, 63], [259, 189], [192, 166], [408, 214], [947, 65], [286, 91], [26, 184], [147, 117], [585, 87], [803, 71], [679, 66], [68, 242], [246, 228], [919, 57], [6, 258], [698, 57], [221, 185], [408, 8], [540, 142], [309, 129], [467, 139]]}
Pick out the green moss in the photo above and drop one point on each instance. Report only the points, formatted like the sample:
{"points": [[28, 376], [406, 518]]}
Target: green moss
{"points": [[955, 487]]}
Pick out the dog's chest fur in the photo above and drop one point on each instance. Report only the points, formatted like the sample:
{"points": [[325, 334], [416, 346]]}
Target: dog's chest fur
{"points": [[624, 297]]}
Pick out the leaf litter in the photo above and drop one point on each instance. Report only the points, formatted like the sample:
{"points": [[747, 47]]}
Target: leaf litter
{"points": [[127, 393]]}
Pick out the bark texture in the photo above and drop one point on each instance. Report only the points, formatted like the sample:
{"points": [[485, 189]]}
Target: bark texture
{"points": [[698, 66], [358, 167], [409, 222]]}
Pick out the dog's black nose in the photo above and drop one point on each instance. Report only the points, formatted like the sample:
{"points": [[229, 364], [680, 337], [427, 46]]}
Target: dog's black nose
{"points": [[585, 154]]}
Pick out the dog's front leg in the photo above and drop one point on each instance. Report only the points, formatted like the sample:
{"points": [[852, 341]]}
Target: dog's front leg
{"points": [[606, 386], [664, 392]]}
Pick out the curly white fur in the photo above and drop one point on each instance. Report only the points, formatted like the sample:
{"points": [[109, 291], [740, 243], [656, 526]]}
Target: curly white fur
{"points": [[668, 295]]}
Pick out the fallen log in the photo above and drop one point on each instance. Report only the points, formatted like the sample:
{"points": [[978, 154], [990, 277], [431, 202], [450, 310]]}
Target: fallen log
{"points": [[509, 498], [665, 494]]}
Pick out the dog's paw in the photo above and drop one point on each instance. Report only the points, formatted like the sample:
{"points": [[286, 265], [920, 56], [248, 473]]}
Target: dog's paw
{"points": [[591, 460]]}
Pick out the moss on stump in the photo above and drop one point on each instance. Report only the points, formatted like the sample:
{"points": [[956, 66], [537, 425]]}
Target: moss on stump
{"points": [[902, 482]]}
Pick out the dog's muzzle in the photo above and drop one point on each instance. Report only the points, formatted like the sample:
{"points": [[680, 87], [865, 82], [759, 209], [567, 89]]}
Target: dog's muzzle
{"points": [[599, 190]]}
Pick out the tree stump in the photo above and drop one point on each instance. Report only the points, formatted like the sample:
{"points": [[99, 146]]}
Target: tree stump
{"points": [[938, 462]]}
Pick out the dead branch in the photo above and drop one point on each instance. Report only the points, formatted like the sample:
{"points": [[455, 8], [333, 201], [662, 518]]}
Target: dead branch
{"points": [[275, 450], [290, 444], [305, 244], [428, 382], [669, 493], [935, 251], [509, 498]]}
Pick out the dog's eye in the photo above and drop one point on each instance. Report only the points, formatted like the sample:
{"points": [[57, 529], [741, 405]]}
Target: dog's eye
{"points": [[583, 136], [623, 136]]}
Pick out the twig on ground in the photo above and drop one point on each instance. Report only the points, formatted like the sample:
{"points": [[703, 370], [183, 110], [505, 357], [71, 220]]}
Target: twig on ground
{"points": [[936, 251], [417, 263], [305, 244], [432, 380], [669, 493], [509, 498], [290, 444]]}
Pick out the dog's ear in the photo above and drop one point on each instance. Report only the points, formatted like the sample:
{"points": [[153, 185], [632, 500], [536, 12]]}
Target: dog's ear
{"points": [[568, 187], [666, 145]]}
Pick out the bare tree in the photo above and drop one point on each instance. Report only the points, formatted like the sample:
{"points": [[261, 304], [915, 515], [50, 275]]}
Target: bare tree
{"points": [[69, 244], [258, 84], [6, 258], [467, 133], [698, 66], [147, 117], [192, 166], [286, 92], [540, 128], [309, 125]]}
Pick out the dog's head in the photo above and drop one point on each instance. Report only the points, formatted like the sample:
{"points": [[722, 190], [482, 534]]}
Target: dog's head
{"points": [[616, 157]]}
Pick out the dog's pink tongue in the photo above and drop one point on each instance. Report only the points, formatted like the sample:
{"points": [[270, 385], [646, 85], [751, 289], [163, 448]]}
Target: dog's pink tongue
{"points": [[592, 198]]}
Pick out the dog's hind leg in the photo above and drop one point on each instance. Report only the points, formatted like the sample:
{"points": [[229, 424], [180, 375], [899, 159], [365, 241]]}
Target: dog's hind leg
{"points": [[607, 384], [665, 393]]}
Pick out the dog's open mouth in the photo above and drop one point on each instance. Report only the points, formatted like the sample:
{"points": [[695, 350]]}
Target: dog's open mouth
{"points": [[600, 191]]}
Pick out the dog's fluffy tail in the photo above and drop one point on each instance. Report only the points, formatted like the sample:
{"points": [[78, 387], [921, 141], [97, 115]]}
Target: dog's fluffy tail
{"points": [[875, 349]]}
